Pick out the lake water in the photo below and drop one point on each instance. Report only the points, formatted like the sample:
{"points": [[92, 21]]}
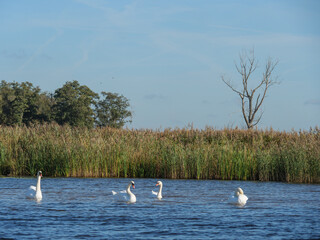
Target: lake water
{"points": [[74, 208]]}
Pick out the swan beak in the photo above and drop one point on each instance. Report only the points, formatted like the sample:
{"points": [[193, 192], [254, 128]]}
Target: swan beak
{"points": [[133, 186], [157, 184]]}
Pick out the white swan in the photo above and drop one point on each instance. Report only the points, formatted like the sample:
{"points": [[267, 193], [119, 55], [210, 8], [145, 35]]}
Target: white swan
{"points": [[159, 194], [35, 192], [238, 197], [132, 197]]}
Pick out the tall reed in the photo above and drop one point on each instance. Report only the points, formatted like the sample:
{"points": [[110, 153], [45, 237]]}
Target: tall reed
{"points": [[179, 153]]}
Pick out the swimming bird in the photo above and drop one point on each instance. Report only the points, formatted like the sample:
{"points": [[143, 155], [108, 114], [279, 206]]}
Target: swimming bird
{"points": [[238, 198], [132, 197], [35, 192], [159, 194]]}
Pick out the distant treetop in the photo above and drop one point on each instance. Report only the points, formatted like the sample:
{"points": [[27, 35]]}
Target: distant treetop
{"points": [[73, 104]]}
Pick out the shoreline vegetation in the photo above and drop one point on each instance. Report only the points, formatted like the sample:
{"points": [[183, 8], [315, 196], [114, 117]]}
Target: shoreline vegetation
{"points": [[228, 154]]}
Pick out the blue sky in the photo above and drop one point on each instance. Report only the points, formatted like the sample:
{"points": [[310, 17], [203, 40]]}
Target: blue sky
{"points": [[167, 57]]}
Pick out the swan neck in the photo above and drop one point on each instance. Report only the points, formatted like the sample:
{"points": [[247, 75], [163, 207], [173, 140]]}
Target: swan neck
{"points": [[128, 189], [38, 184], [160, 190]]}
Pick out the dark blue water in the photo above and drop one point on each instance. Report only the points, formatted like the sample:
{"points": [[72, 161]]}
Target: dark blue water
{"points": [[74, 208]]}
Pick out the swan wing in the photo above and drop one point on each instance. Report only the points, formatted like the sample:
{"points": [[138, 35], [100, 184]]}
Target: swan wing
{"points": [[121, 195], [154, 193], [133, 198], [232, 199], [242, 200], [31, 192], [114, 192]]}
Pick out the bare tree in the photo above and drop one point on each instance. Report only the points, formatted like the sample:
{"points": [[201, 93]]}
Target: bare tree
{"points": [[250, 102]]}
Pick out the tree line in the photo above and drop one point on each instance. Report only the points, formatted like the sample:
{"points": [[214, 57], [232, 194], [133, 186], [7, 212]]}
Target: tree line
{"points": [[72, 104]]}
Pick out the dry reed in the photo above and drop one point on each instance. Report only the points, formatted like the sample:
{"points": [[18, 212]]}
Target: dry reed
{"points": [[179, 154]]}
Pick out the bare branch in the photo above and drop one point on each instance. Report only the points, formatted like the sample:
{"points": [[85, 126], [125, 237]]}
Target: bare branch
{"points": [[258, 120], [244, 112], [230, 86], [250, 104]]}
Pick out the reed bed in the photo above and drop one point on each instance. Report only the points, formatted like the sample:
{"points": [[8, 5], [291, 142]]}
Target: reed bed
{"points": [[229, 154]]}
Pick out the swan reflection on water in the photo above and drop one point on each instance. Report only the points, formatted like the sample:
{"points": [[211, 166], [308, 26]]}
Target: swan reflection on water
{"points": [[34, 192], [237, 198], [189, 209]]}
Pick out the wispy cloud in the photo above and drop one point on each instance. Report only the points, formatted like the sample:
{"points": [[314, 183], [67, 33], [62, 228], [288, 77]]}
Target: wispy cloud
{"points": [[39, 50], [154, 96], [18, 54], [269, 39], [84, 58], [127, 15], [226, 27], [173, 40], [205, 102], [313, 102]]}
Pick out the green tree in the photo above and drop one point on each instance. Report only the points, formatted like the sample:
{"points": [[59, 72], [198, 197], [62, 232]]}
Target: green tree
{"points": [[9, 114], [73, 105], [112, 110], [21, 103], [30, 96], [45, 107]]}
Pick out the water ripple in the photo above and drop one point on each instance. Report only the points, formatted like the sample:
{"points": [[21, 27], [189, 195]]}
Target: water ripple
{"points": [[85, 208]]}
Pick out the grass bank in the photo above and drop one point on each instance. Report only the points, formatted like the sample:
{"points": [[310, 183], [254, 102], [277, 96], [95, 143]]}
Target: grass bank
{"points": [[181, 153]]}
